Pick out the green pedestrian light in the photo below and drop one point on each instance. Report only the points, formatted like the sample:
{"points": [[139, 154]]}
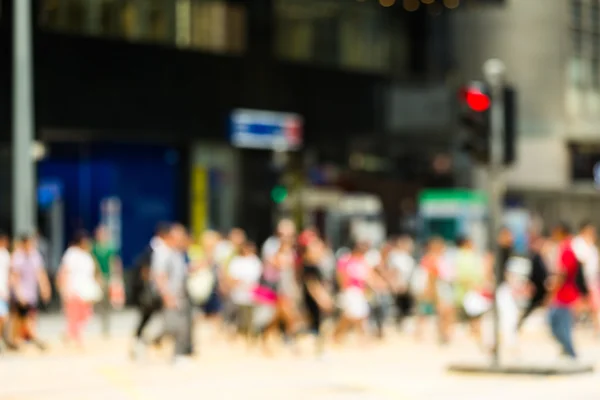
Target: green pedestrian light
{"points": [[279, 194]]}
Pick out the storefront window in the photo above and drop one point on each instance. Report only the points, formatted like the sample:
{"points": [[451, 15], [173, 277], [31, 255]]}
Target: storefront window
{"points": [[213, 25], [327, 32]]}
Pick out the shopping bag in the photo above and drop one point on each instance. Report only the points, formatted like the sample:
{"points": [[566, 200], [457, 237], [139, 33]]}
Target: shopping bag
{"points": [[91, 292], [116, 293]]}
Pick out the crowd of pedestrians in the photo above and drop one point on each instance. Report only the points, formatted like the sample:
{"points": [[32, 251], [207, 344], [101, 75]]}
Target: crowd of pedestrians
{"points": [[297, 286]]}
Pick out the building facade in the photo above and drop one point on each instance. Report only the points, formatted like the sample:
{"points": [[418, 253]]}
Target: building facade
{"points": [[112, 75], [551, 49]]}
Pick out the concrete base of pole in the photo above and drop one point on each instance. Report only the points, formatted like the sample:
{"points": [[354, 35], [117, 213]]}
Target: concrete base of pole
{"points": [[522, 368]]}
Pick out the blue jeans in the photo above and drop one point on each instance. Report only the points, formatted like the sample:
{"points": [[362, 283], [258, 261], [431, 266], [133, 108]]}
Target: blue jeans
{"points": [[561, 323]]}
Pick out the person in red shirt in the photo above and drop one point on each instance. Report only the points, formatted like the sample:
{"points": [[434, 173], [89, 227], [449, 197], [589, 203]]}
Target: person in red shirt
{"points": [[567, 288]]}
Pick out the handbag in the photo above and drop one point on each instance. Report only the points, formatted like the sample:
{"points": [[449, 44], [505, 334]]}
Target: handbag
{"points": [[91, 292], [200, 286]]}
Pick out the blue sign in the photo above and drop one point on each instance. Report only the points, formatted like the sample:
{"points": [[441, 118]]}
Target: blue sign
{"points": [[267, 130], [48, 192]]}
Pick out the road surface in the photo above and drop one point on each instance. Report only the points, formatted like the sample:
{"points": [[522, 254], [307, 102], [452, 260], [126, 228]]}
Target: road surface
{"points": [[400, 368]]}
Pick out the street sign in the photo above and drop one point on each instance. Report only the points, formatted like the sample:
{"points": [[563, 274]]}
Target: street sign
{"points": [[266, 130]]}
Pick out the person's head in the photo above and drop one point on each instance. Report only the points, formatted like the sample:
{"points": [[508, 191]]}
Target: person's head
{"points": [[27, 242], [4, 240], [177, 237], [286, 230], [405, 243], [209, 240], [505, 237], [464, 243], [237, 237], [561, 231], [360, 247], [587, 231], [102, 234], [315, 249], [82, 240], [538, 242], [162, 230], [248, 248], [436, 245]]}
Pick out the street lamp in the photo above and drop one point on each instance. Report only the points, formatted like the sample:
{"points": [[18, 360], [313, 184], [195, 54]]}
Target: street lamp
{"points": [[23, 164], [494, 71]]}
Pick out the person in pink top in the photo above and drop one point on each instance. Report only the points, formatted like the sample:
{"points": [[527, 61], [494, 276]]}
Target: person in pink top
{"points": [[353, 272], [29, 276]]}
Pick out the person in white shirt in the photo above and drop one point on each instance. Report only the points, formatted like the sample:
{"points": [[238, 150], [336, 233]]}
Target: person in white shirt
{"points": [[78, 286], [245, 270], [4, 278], [286, 232], [402, 263]]}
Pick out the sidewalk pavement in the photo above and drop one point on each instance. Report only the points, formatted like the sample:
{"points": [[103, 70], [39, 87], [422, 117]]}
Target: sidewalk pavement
{"points": [[399, 368]]}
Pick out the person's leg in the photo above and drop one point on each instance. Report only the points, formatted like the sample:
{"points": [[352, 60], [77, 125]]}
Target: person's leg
{"points": [[105, 308], [70, 311], [378, 317], [561, 321], [145, 315], [445, 318], [342, 327], [533, 305], [565, 329]]}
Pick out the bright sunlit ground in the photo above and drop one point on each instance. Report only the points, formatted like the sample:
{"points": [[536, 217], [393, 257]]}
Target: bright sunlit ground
{"points": [[400, 368]]}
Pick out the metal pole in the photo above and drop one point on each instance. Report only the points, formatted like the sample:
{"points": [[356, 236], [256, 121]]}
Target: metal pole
{"points": [[494, 71], [24, 204]]}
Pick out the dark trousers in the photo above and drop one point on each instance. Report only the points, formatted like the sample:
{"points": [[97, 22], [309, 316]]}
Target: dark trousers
{"points": [[404, 304], [378, 315], [147, 311], [561, 324], [535, 303], [177, 325]]}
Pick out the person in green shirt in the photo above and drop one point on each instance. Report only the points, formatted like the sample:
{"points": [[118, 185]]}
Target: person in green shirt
{"points": [[109, 266]]}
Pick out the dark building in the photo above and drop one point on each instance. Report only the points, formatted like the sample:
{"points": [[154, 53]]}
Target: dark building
{"points": [[111, 75]]}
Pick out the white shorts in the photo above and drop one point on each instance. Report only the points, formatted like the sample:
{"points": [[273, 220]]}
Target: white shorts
{"points": [[354, 304]]}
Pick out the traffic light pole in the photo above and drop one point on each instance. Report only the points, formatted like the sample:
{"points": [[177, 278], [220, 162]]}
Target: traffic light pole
{"points": [[24, 207], [494, 71]]}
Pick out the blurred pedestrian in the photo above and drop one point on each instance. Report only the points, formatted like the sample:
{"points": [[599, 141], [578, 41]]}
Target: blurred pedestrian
{"points": [[109, 264], [402, 263], [146, 297], [30, 277], [4, 280], [169, 270], [79, 284], [354, 276], [317, 300], [538, 278], [203, 283], [244, 271], [566, 288]]}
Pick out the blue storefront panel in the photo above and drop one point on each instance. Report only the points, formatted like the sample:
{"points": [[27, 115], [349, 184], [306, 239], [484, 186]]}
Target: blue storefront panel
{"points": [[143, 178]]}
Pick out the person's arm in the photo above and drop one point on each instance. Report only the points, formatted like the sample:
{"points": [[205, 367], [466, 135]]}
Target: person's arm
{"points": [[44, 284], [161, 278], [318, 292]]}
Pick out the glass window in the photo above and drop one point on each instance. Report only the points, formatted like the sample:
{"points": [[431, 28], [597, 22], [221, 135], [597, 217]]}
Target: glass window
{"points": [[213, 25], [341, 34]]}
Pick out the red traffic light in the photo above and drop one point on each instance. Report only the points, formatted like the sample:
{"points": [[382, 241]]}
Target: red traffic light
{"points": [[476, 100]]}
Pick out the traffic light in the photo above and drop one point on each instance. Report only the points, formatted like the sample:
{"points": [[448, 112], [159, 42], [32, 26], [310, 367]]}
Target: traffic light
{"points": [[278, 194], [476, 104]]}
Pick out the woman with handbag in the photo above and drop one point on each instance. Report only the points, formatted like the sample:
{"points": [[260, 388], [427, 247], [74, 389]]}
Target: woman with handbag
{"points": [[78, 286]]}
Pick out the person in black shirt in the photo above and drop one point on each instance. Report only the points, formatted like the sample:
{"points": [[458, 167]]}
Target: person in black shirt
{"points": [[316, 299], [537, 278]]}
